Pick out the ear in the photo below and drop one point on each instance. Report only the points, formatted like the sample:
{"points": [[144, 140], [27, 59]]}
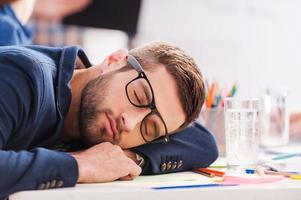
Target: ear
{"points": [[117, 56]]}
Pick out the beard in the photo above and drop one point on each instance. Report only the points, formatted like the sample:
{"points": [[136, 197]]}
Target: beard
{"points": [[91, 110]]}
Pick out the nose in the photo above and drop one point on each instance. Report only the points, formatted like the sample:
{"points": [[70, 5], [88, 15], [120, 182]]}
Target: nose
{"points": [[129, 120]]}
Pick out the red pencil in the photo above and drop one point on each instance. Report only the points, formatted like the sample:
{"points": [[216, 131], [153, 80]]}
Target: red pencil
{"points": [[211, 171]]}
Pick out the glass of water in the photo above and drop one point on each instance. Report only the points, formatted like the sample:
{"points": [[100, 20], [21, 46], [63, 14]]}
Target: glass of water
{"points": [[242, 132], [274, 118]]}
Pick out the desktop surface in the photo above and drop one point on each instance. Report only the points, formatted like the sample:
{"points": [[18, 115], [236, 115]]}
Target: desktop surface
{"points": [[142, 188]]}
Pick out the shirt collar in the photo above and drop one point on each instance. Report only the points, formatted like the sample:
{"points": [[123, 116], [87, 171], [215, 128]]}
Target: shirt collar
{"points": [[66, 67]]}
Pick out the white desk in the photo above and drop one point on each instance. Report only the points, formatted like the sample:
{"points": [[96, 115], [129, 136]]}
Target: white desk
{"points": [[283, 190], [140, 188]]}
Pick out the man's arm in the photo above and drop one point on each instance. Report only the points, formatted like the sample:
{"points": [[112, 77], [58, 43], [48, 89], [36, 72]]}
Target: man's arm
{"points": [[44, 169], [35, 169], [192, 147], [41, 168]]}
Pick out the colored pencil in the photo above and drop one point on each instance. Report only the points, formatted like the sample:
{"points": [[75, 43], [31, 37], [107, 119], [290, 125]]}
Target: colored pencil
{"points": [[211, 171], [193, 186], [210, 175]]}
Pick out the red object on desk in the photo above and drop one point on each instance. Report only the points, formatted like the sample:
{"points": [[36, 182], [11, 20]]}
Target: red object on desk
{"points": [[211, 171]]}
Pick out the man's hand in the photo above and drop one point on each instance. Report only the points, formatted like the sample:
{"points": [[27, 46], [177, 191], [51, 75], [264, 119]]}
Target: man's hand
{"points": [[132, 156], [104, 162]]}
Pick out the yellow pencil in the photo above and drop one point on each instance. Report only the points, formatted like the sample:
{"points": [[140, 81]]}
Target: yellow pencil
{"points": [[296, 177]]}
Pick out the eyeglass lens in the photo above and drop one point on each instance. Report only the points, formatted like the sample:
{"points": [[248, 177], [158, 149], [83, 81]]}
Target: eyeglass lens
{"points": [[140, 94]]}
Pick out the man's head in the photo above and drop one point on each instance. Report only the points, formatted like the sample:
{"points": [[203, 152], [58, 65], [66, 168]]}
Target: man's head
{"points": [[126, 105]]}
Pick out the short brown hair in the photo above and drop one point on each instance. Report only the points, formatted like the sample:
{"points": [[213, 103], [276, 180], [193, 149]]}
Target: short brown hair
{"points": [[2, 2], [182, 67]]}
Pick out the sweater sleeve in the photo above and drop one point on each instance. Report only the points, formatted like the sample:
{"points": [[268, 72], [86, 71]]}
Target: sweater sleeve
{"points": [[30, 169], [193, 147], [36, 169]]}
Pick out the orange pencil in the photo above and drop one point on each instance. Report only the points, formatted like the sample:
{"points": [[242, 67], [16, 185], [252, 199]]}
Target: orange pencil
{"points": [[204, 173], [211, 171], [210, 97]]}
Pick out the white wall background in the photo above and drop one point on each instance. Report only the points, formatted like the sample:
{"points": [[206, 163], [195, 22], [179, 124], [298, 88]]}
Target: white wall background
{"points": [[256, 43]]}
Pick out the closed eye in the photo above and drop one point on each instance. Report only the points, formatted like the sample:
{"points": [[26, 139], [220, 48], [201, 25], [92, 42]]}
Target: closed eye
{"points": [[147, 93], [137, 98], [156, 129]]}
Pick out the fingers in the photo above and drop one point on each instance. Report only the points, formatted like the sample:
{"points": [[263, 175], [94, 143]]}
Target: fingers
{"points": [[132, 168], [135, 169], [127, 178], [131, 176], [130, 165], [120, 164], [105, 162], [131, 155]]}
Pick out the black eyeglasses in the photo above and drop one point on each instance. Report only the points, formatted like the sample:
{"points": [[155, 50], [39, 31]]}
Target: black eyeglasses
{"points": [[140, 94]]}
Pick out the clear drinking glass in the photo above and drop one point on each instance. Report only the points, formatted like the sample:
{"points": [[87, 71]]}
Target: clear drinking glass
{"points": [[242, 132], [274, 118]]}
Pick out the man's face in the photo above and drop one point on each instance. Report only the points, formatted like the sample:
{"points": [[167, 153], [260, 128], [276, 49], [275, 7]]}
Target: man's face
{"points": [[107, 115]]}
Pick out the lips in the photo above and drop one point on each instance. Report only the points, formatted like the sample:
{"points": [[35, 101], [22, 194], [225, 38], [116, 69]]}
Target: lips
{"points": [[111, 128]]}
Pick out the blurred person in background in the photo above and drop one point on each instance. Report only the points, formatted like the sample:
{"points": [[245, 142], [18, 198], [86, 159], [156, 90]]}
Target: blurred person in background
{"points": [[14, 15], [56, 10], [47, 26]]}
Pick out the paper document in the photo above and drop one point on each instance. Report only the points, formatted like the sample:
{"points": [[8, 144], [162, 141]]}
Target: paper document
{"points": [[184, 178]]}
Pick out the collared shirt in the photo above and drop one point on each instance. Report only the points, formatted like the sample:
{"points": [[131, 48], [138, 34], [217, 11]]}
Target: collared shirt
{"points": [[12, 32], [35, 96]]}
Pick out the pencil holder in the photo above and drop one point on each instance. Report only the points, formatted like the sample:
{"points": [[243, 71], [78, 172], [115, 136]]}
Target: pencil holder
{"points": [[213, 120]]}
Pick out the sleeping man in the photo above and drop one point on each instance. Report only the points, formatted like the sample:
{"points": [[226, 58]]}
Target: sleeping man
{"points": [[64, 121]]}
